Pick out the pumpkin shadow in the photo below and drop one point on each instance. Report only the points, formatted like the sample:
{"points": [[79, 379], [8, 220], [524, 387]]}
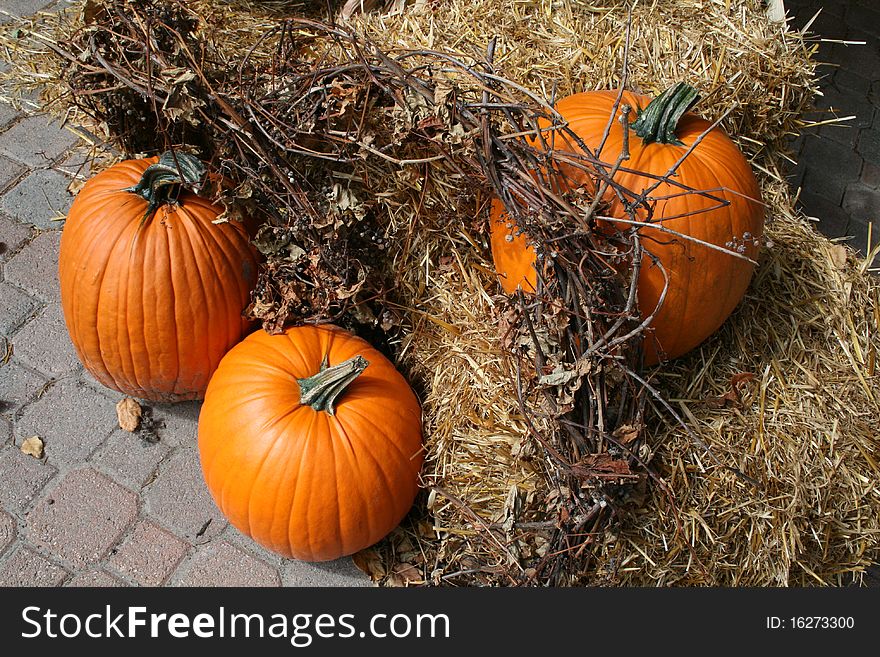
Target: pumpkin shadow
{"points": [[175, 424], [340, 572]]}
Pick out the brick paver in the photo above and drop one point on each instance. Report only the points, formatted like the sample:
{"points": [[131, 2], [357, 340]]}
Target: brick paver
{"points": [[149, 555], [106, 508], [20, 9], [35, 269], [862, 200], [82, 517], [5, 429], [222, 564], [76, 165], [12, 236], [848, 166], [871, 175], [130, 459], [341, 572], [7, 114], [177, 424], [17, 386], [40, 199], [179, 499], [250, 546], [24, 567], [7, 531], [17, 308], [832, 219], [109, 393], [869, 146], [22, 478], [844, 197], [36, 141], [10, 170], [44, 343], [97, 578], [71, 418]]}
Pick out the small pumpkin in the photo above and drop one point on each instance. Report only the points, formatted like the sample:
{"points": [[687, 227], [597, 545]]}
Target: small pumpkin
{"points": [[705, 284], [310, 442], [152, 290]]}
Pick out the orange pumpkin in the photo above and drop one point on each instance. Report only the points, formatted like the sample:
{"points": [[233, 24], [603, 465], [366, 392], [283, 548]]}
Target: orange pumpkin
{"points": [[153, 291], [705, 284], [310, 442], [513, 256]]}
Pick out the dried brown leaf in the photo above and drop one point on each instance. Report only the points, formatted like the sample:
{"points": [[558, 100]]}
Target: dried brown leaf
{"points": [[838, 256], [353, 7], [740, 378], [732, 397], [408, 573], [128, 412], [370, 562], [602, 466], [33, 446], [627, 433], [426, 530]]}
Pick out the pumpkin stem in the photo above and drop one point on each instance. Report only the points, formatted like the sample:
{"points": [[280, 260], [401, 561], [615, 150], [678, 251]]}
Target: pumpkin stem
{"points": [[659, 120], [160, 182], [321, 390]]}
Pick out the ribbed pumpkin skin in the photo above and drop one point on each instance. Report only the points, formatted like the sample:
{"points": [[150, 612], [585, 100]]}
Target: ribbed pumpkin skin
{"points": [[705, 285], [152, 308], [514, 259], [299, 481]]}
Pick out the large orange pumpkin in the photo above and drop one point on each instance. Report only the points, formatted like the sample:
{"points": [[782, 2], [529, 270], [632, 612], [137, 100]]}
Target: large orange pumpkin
{"points": [[152, 290], [705, 284], [310, 442]]}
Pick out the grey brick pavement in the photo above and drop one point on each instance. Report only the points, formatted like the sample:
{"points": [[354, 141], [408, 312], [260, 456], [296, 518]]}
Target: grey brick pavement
{"points": [[5, 430], [55, 524], [7, 114], [23, 478], [7, 530], [10, 170], [130, 460], [46, 327], [18, 385], [39, 199], [150, 555], [221, 563], [35, 269], [36, 141], [838, 168], [12, 235], [24, 567], [96, 578], [17, 308], [12, 9]]}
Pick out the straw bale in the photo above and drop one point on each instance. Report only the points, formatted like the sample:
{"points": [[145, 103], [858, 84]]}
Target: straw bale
{"points": [[807, 331]]}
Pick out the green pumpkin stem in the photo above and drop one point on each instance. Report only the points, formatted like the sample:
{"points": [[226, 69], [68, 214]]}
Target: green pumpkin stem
{"points": [[322, 390], [658, 122], [160, 182]]}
